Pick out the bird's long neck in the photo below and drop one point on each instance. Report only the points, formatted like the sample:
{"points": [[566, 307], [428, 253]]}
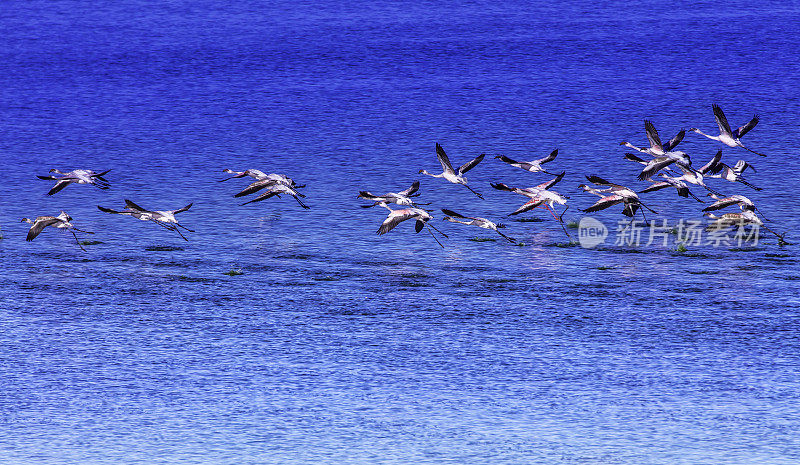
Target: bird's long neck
{"points": [[431, 174], [704, 134]]}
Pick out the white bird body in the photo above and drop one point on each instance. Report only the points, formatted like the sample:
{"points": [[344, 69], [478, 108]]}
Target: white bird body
{"points": [[484, 223], [62, 221], [726, 135], [79, 176], [656, 149], [402, 198], [534, 166], [164, 218], [452, 175]]}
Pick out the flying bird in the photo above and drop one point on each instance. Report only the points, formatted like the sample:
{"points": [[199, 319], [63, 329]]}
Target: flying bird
{"points": [[164, 218], [726, 136], [451, 175], [399, 198], [398, 216], [656, 148], [454, 217], [62, 221], [275, 190], [533, 166], [76, 177], [723, 171]]}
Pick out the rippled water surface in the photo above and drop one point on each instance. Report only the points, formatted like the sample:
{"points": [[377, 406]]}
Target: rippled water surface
{"points": [[334, 344]]}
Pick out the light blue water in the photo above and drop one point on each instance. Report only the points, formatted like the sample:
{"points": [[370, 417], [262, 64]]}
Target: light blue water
{"points": [[336, 345]]}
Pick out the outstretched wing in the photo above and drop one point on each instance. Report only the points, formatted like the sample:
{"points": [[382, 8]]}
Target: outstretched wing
{"points": [[721, 203], [746, 128], [675, 140], [632, 157], [39, 225], [470, 164], [256, 186], [59, 185], [452, 213], [654, 166], [657, 186], [549, 158], [502, 187], [446, 165], [722, 121], [713, 165], [411, 190], [133, 206], [552, 182], [604, 203], [529, 205], [183, 209], [107, 210], [395, 217], [601, 182], [652, 135]]}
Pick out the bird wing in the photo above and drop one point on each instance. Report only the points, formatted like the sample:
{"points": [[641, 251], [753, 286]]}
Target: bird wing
{"points": [[395, 217], [183, 209], [442, 156], [502, 187], [452, 213], [654, 166], [369, 196], [133, 206], [552, 182], [652, 135], [529, 205], [712, 165], [675, 140], [39, 225], [411, 190], [508, 160], [656, 186], [632, 157], [59, 185], [108, 210], [100, 175], [470, 164], [256, 186], [721, 203], [602, 182], [722, 121], [746, 128], [604, 203], [549, 158]]}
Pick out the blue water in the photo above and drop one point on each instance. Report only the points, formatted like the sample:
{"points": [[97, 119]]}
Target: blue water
{"points": [[336, 345]]}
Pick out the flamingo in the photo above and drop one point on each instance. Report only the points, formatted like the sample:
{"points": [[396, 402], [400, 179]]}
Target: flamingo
{"points": [[616, 194], [696, 177], [657, 164], [683, 189], [540, 196], [164, 218], [76, 177], [276, 190], [723, 171], [726, 136], [451, 175], [656, 148], [398, 216], [533, 166], [259, 175], [454, 217], [400, 198], [62, 221]]}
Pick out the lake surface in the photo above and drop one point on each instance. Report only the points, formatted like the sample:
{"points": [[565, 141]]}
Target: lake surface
{"points": [[336, 345]]}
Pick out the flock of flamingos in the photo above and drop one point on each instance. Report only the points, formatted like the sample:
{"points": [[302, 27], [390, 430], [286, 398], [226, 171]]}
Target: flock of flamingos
{"points": [[664, 168]]}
